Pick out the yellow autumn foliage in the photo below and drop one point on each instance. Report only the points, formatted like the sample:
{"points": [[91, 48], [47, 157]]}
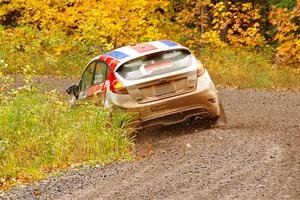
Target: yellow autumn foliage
{"points": [[112, 23], [245, 25], [240, 19], [288, 50], [61, 34]]}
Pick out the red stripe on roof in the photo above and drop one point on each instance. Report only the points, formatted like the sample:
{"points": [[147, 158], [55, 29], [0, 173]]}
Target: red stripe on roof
{"points": [[108, 60], [102, 58], [114, 64]]}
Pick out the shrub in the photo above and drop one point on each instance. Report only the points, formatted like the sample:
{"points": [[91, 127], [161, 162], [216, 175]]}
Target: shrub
{"points": [[244, 26], [40, 133], [286, 35]]}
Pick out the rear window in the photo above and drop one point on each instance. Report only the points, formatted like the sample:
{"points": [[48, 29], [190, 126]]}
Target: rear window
{"points": [[155, 64]]}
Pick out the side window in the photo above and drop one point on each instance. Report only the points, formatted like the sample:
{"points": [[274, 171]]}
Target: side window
{"points": [[87, 77], [101, 72]]}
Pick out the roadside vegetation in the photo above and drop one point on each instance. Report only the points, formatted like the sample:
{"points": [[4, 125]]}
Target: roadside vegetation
{"points": [[41, 133], [249, 68], [244, 44]]}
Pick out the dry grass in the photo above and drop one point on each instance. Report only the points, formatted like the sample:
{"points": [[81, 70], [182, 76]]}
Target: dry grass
{"points": [[246, 68]]}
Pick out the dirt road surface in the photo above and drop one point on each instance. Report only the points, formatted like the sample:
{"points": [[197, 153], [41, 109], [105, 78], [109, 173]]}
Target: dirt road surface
{"points": [[255, 156]]}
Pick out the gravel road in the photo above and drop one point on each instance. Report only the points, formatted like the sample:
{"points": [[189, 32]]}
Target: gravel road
{"points": [[255, 156]]}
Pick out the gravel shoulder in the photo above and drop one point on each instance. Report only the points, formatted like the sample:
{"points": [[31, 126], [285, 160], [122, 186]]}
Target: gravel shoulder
{"points": [[255, 156]]}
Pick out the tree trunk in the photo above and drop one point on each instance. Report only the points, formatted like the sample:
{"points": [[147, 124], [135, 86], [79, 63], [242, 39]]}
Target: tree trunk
{"points": [[224, 30], [265, 24]]}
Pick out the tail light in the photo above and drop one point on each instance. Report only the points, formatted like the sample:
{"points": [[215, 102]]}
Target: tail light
{"points": [[117, 87], [200, 69]]}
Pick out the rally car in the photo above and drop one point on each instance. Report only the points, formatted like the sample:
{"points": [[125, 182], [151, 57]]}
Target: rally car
{"points": [[161, 80]]}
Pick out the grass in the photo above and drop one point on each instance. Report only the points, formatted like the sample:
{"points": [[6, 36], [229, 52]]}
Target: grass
{"points": [[246, 68], [40, 133]]}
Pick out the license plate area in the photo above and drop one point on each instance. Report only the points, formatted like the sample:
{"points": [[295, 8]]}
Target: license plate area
{"points": [[164, 89], [158, 108]]}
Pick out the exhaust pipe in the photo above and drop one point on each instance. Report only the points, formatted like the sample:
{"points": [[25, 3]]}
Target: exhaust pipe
{"points": [[198, 118]]}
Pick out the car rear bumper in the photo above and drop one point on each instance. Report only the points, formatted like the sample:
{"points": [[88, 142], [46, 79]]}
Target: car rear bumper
{"points": [[202, 102], [178, 117], [196, 105]]}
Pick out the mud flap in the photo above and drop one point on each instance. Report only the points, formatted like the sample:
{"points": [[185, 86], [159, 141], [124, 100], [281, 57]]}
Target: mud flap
{"points": [[222, 117]]}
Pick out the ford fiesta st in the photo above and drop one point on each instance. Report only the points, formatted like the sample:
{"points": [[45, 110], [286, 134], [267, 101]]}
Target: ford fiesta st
{"points": [[161, 80]]}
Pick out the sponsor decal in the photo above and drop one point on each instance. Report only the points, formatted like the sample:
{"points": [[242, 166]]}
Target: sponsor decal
{"points": [[95, 89], [142, 48], [149, 68]]}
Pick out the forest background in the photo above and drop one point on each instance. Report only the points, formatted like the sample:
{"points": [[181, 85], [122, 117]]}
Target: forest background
{"points": [[243, 43]]}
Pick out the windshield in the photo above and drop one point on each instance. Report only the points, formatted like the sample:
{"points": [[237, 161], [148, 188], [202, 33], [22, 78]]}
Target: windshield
{"points": [[155, 64]]}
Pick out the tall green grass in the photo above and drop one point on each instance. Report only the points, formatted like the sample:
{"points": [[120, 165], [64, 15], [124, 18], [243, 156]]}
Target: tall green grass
{"points": [[40, 132]]}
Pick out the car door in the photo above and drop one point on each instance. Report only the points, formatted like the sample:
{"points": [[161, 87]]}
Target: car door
{"points": [[92, 85]]}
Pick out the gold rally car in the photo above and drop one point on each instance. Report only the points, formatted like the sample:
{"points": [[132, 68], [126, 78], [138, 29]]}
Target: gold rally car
{"points": [[161, 80]]}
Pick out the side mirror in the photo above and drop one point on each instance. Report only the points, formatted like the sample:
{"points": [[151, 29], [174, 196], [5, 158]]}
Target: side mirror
{"points": [[74, 89]]}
